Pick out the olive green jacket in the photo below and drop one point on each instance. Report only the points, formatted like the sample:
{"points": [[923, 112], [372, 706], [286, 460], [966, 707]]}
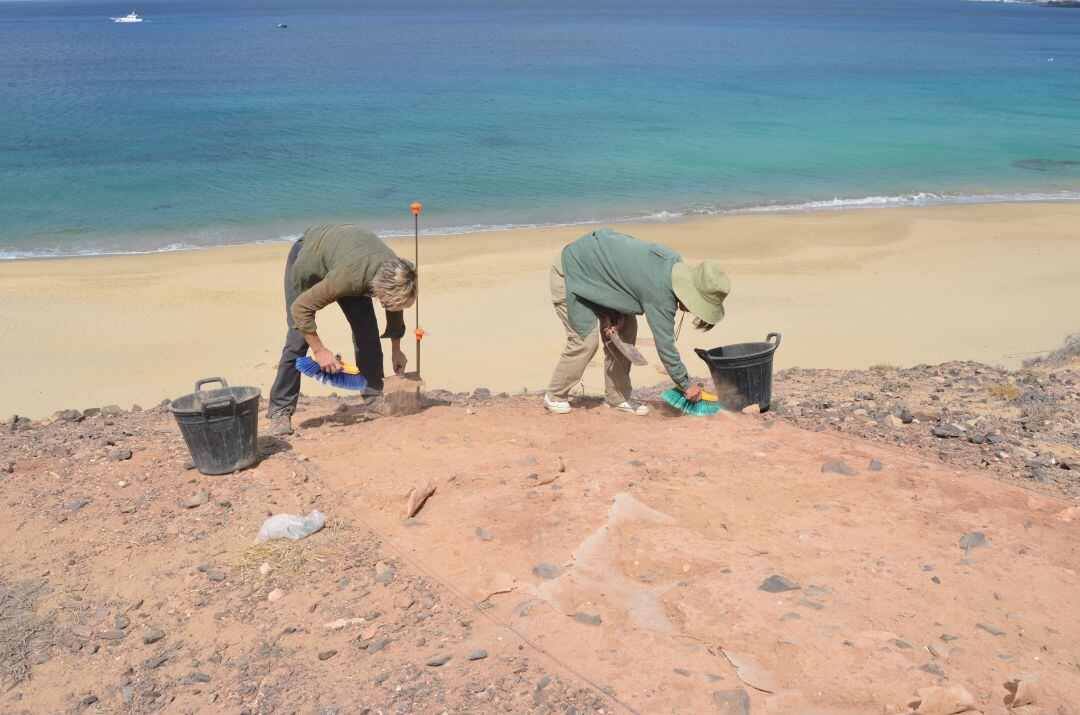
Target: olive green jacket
{"points": [[338, 260], [606, 270]]}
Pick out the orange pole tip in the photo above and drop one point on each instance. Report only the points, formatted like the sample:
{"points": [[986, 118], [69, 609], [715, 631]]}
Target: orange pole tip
{"points": [[419, 333], [416, 207]]}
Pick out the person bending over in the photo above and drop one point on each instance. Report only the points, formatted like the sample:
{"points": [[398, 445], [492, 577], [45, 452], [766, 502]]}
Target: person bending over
{"points": [[349, 265], [610, 278]]}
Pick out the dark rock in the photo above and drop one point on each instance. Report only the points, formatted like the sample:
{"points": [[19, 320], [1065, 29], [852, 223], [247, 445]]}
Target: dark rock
{"points": [[200, 678], [933, 669], [483, 534], [119, 455], [806, 602], [482, 393], [947, 431], [991, 629], [778, 584], [156, 662], [217, 576], [478, 654], [683, 672], [731, 702], [77, 504], [69, 415], [971, 541], [122, 622], [437, 661], [948, 637], [588, 619], [327, 654], [906, 417], [875, 466], [837, 467], [546, 571], [378, 644], [111, 411], [89, 700], [111, 635], [976, 438]]}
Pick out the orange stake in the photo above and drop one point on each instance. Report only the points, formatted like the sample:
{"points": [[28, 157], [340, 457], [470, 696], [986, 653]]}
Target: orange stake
{"points": [[416, 206]]}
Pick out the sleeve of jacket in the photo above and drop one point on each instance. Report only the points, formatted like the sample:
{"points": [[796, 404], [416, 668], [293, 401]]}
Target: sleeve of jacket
{"points": [[395, 325], [661, 319], [329, 289]]}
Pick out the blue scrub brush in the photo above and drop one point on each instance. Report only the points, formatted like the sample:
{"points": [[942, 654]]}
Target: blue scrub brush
{"points": [[708, 404], [348, 379]]}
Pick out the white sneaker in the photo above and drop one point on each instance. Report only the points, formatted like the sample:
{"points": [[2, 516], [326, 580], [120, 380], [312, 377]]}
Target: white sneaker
{"points": [[630, 408], [555, 407]]}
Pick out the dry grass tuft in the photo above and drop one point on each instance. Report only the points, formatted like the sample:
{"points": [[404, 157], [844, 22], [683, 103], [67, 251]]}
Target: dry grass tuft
{"points": [[22, 632], [1004, 390], [883, 367], [284, 556]]}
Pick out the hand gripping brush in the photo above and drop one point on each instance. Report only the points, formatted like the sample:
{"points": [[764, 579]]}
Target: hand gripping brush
{"points": [[709, 404], [348, 379]]}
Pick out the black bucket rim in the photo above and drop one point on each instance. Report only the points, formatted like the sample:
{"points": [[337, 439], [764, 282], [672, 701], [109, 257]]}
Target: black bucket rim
{"points": [[707, 355], [234, 396]]}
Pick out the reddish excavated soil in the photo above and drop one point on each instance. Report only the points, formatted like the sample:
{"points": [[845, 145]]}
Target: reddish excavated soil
{"points": [[603, 562]]}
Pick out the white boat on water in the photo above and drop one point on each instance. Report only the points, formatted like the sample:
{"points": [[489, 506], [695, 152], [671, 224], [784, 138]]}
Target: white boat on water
{"points": [[130, 17]]}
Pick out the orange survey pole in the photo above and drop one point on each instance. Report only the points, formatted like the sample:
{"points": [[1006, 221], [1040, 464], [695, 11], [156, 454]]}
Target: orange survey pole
{"points": [[416, 249]]}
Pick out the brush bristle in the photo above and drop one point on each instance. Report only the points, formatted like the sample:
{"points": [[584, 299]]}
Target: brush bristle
{"points": [[341, 380], [701, 408]]}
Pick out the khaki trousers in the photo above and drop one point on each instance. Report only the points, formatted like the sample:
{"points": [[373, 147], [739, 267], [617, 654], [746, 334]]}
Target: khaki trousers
{"points": [[579, 351]]}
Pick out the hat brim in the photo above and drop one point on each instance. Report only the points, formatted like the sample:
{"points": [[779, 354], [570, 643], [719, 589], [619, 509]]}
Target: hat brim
{"points": [[682, 282]]}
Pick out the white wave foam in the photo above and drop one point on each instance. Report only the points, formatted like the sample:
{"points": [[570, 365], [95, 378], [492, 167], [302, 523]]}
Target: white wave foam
{"points": [[834, 204]]}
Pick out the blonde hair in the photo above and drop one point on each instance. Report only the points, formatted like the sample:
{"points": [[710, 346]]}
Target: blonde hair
{"points": [[394, 284]]}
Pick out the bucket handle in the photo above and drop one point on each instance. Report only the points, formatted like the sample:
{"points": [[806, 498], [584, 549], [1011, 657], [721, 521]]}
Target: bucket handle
{"points": [[770, 336], [220, 402], [206, 380], [703, 354]]}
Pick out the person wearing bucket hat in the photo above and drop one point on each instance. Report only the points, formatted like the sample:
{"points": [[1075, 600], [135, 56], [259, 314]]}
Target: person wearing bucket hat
{"points": [[609, 278]]}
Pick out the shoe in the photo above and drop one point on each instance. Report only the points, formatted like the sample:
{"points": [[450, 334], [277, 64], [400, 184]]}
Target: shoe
{"points": [[556, 407], [281, 424], [630, 408]]}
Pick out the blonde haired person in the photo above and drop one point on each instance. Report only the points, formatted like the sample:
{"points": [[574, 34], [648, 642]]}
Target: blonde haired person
{"points": [[349, 265], [610, 278]]}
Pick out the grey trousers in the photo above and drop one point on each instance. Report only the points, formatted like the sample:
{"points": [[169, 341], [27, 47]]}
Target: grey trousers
{"points": [[579, 351], [359, 311]]}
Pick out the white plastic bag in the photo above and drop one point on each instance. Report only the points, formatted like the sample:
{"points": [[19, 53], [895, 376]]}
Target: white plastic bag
{"points": [[291, 526]]}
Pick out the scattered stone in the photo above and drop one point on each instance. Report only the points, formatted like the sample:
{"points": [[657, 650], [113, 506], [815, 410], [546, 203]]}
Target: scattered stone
{"points": [[947, 431], [327, 654], [437, 661], [478, 654], [546, 571], [991, 629], [275, 595], [940, 700], [153, 636], [122, 622], [77, 504], [200, 677], [778, 584], [754, 409], [947, 637], [875, 466], [89, 700], [418, 497], [893, 421], [933, 669], [378, 644], [111, 411], [111, 635], [810, 604], [69, 415], [483, 534], [119, 455], [587, 619], [156, 662], [837, 467], [216, 576], [197, 499], [731, 702], [971, 541]]}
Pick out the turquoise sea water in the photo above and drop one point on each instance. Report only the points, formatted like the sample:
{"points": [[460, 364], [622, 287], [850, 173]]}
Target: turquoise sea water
{"points": [[207, 125]]}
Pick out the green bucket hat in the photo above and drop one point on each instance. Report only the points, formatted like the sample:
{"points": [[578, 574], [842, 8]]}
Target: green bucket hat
{"points": [[702, 289]]}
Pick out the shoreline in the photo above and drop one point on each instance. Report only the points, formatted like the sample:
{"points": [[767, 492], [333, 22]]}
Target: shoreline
{"points": [[661, 217], [845, 288]]}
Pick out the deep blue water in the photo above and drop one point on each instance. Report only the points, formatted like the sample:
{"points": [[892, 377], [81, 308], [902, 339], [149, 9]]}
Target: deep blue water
{"points": [[205, 124]]}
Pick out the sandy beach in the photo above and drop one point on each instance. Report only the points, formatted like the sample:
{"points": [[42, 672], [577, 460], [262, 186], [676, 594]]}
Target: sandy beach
{"points": [[846, 289]]}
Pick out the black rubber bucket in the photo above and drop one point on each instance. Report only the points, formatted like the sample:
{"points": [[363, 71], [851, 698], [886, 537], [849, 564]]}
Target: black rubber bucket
{"points": [[742, 373], [221, 426]]}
